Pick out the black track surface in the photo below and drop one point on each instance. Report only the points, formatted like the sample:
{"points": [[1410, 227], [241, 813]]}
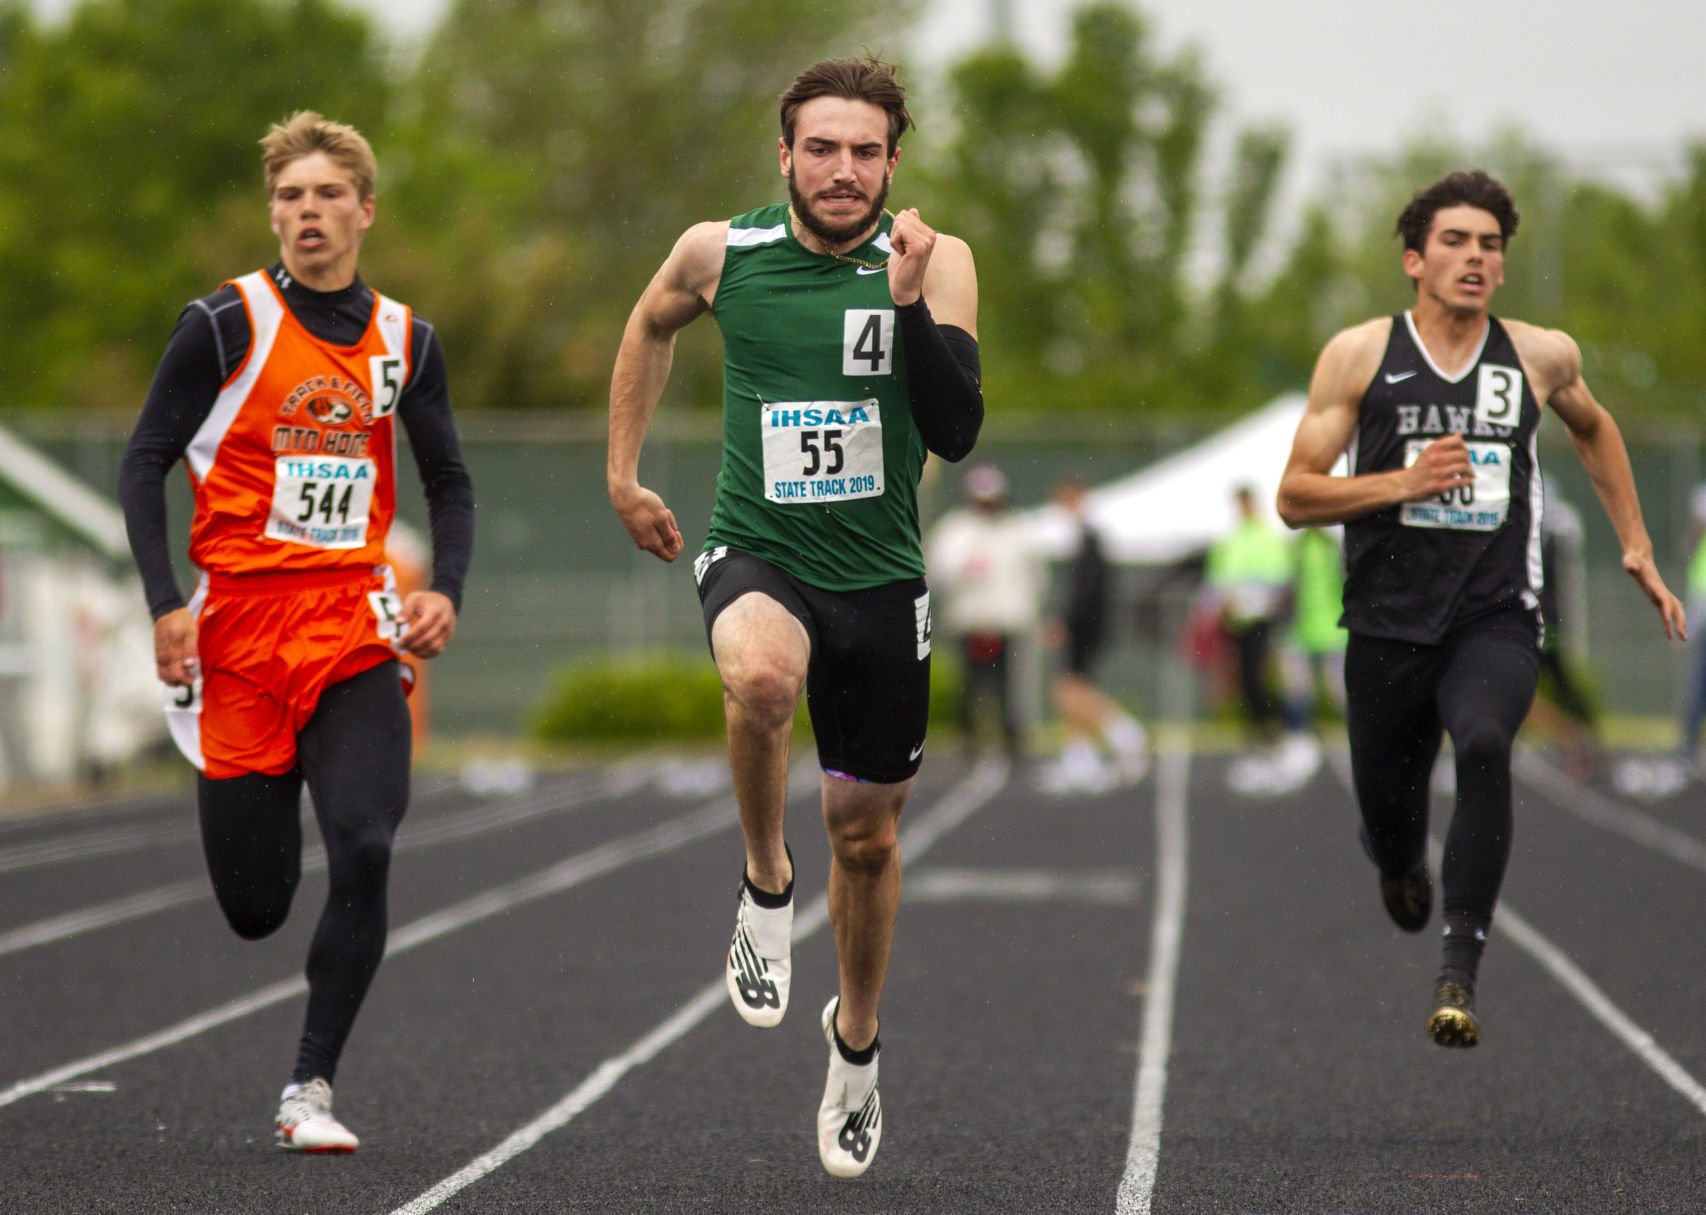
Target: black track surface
{"points": [[1297, 1074]]}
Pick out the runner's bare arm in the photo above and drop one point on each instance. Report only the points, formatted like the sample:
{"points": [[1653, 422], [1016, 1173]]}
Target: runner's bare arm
{"points": [[1555, 361], [678, 294], [1309, 494]]}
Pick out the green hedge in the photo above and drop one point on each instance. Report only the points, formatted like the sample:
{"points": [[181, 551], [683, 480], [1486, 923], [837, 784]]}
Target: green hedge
{"points": [[634, 699], [669, 696]]}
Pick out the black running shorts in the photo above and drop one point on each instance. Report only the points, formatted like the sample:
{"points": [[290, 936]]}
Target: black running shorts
{"points": [[868, 682]]}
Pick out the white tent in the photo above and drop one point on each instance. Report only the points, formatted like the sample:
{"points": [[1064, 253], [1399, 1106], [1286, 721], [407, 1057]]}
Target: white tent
{"points": [[77, 687], [1179, 506]]}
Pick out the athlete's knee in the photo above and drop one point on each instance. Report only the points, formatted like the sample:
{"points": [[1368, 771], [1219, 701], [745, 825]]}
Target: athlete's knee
{"points": [[360, 857], [1485, 745], [866, 841], [866, 853], [761, 691], [255, 914]]}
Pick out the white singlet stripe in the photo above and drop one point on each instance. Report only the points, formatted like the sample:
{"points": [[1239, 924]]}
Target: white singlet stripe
{"points": [[266, 311], [740, 238]]}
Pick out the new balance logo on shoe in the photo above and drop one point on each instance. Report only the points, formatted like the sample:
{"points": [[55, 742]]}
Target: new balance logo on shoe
{"points": [[850, 1117], [755, 990], [855, 1137], [760, 961]]}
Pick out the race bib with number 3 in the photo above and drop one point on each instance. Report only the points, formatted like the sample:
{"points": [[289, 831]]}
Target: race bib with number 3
{"points": [[819, 452], [1498, 396]]}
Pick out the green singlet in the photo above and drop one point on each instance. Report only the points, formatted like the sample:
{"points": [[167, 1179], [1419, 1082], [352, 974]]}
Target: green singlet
{"points": [[821, 459]]}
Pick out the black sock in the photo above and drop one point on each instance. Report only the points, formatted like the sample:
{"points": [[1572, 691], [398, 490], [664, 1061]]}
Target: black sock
{"points": [[858, 1058], [1465, 938], [766, 900]]}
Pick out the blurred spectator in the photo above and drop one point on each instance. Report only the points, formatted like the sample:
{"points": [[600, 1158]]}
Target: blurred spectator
{"points": [[1249, 573], [1562, 708], [1694, 690], [1314, 658], [1094, 721], [989, 580]]}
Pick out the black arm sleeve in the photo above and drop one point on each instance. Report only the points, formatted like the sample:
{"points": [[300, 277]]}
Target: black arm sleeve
{"points": [[425, 410], [944, 381], [185, 386]]}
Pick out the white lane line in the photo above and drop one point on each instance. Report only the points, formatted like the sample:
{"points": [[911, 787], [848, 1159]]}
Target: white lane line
{"points": [[108, 839], [1602, 1009], [1143, 1153], [1022, 886], [101, 915], [1600, 811], [440, 830], [90, 844], [666, 837], [1588, 993], [958, 805]]}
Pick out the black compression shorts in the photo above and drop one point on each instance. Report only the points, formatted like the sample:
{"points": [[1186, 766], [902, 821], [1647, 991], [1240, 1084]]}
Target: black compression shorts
{"points": [[868, 682]]}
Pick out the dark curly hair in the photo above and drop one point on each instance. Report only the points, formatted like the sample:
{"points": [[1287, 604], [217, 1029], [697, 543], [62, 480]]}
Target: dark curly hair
{"points": [[1471, 188]]}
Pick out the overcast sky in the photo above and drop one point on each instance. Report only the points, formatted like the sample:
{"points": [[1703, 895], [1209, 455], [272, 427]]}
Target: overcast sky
{"points": [[1615, 88], [1616, 85]]}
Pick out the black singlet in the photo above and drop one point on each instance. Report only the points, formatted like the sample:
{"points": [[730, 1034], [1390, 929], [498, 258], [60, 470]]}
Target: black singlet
{"points": [[1416, 571]]}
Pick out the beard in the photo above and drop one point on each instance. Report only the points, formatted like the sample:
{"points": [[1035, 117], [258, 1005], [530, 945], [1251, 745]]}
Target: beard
{"points": [[833, 234]]}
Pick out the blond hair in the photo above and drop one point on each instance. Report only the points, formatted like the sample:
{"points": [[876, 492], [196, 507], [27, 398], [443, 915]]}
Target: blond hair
{"points": [[306, 132]]}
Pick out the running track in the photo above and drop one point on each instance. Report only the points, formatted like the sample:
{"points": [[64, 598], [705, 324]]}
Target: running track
{"points": [[1168, 998]]}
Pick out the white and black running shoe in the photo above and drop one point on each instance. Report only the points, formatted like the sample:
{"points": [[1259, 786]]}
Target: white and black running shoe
{"points": [[305, 1123], [850, 1120], [760, 959]]}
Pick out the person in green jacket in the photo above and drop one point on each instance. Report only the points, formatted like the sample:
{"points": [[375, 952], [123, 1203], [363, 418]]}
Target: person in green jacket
{"points": [[1315, 654], [1249, 573]]}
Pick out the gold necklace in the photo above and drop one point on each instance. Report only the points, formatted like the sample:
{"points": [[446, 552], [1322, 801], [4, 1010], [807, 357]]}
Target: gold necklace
{"points": [[840, 257]]}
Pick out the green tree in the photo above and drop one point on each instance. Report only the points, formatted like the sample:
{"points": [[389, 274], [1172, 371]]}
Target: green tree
{"points": [[130, 176], [556, 148], [1081, 193]]}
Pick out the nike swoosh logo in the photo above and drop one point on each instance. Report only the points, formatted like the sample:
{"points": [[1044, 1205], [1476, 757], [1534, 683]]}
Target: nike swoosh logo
{"points": [[1395, 377], [916, 752], [869, 269]]}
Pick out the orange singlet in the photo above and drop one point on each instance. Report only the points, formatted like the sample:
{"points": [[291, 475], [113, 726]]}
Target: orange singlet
{"points": [[294, 480]]}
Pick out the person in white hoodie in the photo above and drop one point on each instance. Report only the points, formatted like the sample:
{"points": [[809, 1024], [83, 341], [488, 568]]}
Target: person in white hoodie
{"points": [[990, 581]]}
